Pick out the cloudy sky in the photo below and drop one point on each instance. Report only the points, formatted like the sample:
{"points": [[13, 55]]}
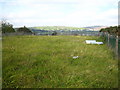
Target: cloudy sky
{"points": [[78, 13]]}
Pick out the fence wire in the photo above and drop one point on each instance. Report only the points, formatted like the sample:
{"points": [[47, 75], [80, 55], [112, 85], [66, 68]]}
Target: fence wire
{"points": [[119, 47], [111, 41]]}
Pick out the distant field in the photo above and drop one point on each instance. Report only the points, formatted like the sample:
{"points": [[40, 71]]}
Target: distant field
{"points": [[47, 62], [49, 28]]}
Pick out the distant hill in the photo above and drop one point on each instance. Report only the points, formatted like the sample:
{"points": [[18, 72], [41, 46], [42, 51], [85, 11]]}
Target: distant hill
{"points": [[66, 28], [95, 28], [62, 30], [57, 28]]}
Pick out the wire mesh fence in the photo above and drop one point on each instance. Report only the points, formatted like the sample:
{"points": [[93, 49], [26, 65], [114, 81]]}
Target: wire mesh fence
{"points": [[113, 43], [119, 47]]}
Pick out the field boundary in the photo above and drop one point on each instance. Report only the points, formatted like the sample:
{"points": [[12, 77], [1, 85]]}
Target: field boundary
{"points": [[113, 42]]}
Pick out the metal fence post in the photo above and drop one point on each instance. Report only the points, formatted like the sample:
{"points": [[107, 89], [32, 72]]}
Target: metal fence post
{"points": [[116, 47], [108, 39]]}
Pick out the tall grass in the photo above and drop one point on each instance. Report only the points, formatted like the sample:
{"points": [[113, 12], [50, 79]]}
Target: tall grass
{"points": [[47, 62], [0, 63]]}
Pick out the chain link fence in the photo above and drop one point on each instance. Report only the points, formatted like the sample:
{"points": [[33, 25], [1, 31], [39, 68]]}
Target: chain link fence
{"points": [[119, 47], [113, 43]]}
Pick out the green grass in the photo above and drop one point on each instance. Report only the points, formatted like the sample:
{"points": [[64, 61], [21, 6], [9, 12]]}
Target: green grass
{"points": [[0, 63], [46, 62]]}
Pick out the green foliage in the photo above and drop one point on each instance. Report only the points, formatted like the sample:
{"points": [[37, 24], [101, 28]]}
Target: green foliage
{"points": [[7, 27], [47, 62], [115, 30], [54, 33], [24, 29]]}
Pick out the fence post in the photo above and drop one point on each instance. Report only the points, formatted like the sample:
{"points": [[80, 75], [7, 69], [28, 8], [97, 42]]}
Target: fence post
{"points": [[116, 47], [108, 39]]}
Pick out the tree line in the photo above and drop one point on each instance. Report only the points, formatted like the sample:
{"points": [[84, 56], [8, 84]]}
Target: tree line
{"points": [[8, 28], [113, 30]]}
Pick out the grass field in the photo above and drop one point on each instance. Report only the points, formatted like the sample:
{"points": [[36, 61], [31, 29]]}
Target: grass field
{"points": [[47, 62], [0, 63]]}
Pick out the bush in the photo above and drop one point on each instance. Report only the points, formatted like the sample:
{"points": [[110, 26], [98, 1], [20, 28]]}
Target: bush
{"points": [[24, 29], [54, 33], [113, 30], [7, 27]]}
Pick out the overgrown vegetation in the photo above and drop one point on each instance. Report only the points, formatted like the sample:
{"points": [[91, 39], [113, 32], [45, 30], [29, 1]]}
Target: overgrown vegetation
{"points": [[24, 29], [47, 62], [115, 30], [7, 27]]}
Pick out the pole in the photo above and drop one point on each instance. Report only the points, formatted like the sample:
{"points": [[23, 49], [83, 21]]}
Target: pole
{"points": [[108, 39], [117, 47]]}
